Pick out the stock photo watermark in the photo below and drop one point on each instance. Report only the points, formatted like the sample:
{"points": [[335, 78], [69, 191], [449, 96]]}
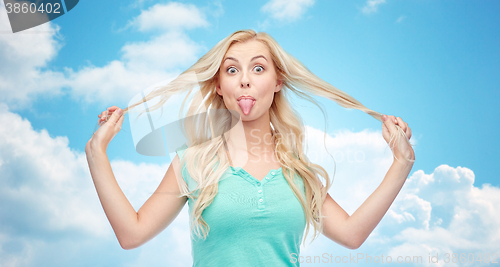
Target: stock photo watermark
{"points": [[27, 14], [342, 155], [432, 258]]}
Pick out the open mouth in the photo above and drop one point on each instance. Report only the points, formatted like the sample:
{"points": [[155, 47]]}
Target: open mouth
{"points": [[246, 103]]}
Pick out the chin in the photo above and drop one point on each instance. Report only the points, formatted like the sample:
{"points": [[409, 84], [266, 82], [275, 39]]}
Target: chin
{"points": [[248, 117], [252, 116]]}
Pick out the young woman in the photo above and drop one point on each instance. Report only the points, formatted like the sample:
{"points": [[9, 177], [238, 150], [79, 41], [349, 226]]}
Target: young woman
{"points": [[251, 189]]}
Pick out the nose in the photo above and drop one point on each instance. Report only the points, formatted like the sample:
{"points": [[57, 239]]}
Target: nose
{"points": [[245, 82]]}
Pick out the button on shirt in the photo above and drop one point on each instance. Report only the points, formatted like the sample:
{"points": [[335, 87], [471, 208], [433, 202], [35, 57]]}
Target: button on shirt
{"points": [[252, 222]]}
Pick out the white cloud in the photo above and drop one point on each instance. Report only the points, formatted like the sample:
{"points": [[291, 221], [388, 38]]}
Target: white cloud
{"points": [[357, 156], [49, 203], [22, 77], [142, 64], [22, 61], [166, 51], [43, 170], [464, 217], [371, 6], [441, 212], [400, 19], [45, 190], [287, 10], [171, 16]]}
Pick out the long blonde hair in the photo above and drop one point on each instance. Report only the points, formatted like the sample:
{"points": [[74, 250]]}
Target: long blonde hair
{"points": [[208, 161]]}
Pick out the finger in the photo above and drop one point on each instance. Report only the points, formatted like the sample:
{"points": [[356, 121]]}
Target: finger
{"points": [[384, 128], [389, 123], [120, 122], [385, 132], [112, 108], [116, 115], [409, 133], [401, 124], [103, 115]]}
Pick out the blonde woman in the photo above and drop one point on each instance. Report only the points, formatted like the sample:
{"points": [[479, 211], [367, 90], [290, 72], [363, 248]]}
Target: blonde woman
{"points": [[251, 189]]}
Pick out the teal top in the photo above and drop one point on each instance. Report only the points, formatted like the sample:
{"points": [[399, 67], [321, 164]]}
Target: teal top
{"points": [[252, 222]]}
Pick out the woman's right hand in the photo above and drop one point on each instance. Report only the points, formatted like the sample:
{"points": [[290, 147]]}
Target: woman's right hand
{"points": [[110, 123]]}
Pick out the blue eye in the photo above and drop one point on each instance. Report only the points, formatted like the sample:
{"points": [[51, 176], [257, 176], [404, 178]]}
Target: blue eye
{"points": [[232, 70], [258, 69]]}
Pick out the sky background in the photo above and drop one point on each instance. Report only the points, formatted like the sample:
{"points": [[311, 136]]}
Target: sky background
{"points": [[435, 64]]}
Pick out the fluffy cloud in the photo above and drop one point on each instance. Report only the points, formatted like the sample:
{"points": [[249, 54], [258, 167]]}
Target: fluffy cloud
{"points": [[360, 162], [143, 63], [23, 76], [49, 204], [49, 207], [287, 10], [371, 6], [45, 191], [39, 169], [451, 215], [437, 213], [171, 16], [21, 73]]}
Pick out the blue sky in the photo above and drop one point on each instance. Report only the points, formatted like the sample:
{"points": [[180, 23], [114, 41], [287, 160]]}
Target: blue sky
{"points": [[433, 63]]}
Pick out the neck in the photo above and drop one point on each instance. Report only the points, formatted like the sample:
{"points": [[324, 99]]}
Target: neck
{"points": [[256, 135]]}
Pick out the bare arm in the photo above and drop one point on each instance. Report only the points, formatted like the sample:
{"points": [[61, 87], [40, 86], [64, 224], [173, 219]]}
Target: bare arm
{"points": [[131, 228], [352, 231]]}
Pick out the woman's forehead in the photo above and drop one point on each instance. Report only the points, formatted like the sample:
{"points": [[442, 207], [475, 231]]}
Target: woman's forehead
{"points": [[248, 50]]}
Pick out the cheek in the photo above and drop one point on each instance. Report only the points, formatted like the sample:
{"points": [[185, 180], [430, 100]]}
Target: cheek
{"points": [[227, 85], [227, 91], [265, 86]]}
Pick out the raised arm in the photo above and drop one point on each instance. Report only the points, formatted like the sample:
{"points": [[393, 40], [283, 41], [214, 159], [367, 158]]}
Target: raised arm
{"points": [[131, 228], [352, 231]]}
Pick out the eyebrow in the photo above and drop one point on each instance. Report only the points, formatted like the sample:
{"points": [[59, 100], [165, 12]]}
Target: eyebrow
{"points": [[254, 58]]}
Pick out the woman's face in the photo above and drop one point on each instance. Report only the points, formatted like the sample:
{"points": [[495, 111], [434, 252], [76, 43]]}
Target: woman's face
{"points": [[247, 80]]}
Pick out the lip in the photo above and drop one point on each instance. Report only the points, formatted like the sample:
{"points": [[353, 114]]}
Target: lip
{"points": [[245, 97]]}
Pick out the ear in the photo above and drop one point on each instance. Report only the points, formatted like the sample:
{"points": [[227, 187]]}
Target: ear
{"points": [[217, 87], [279, 85]]}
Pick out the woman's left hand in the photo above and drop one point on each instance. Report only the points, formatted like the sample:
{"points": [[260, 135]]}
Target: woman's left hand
{"points": [[402, 149]]}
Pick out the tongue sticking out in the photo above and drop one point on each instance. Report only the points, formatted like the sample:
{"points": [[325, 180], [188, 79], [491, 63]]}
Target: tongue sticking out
{"points": [[246, 105]]}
